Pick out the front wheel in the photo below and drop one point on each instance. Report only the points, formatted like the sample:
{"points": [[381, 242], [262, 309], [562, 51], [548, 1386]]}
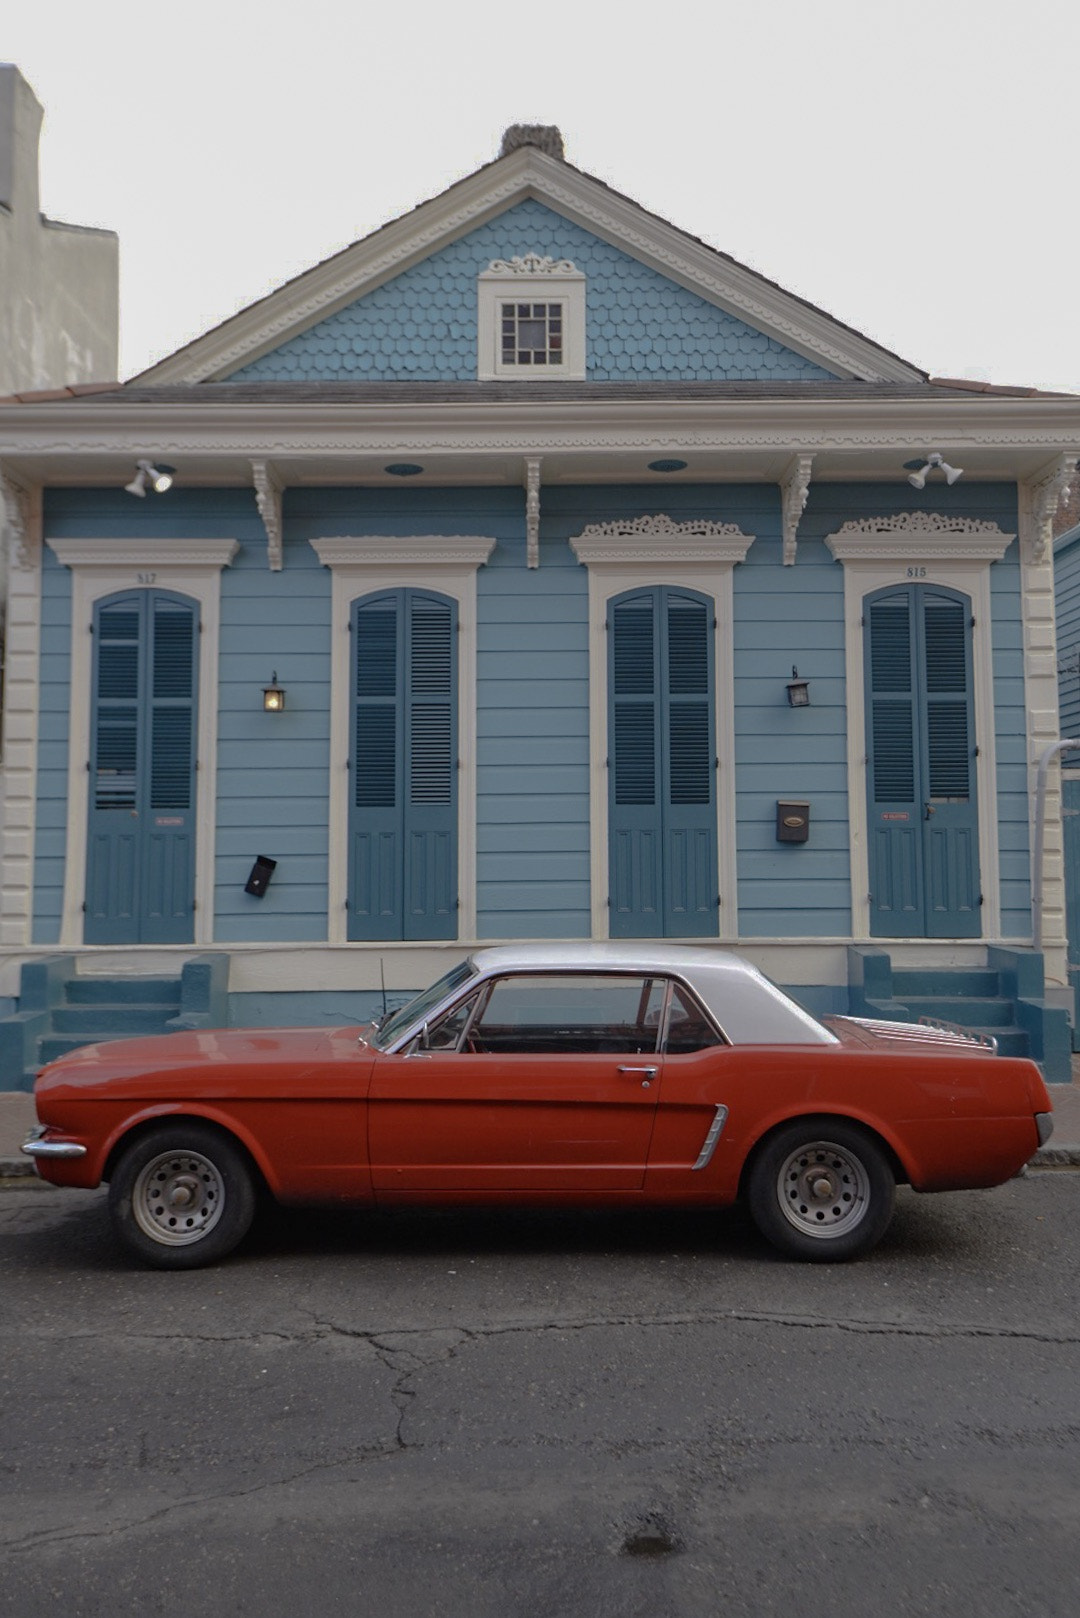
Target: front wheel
{"points": [[182, 1195], [822, 1190]]}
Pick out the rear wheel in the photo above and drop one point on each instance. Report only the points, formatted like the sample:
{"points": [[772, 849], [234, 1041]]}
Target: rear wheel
{"points": [[822, 1190], [182, 1195]]}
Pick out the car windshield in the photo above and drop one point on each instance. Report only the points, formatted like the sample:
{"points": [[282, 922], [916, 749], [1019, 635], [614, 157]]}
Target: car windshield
{"points": [[416, 1009]]}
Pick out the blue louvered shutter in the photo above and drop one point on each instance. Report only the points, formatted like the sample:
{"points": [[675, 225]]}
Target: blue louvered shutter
{"points": [[403, 813], [895, 841], [951, 828], [635, 768], [141, 835], [690, 872], [662, 821]]}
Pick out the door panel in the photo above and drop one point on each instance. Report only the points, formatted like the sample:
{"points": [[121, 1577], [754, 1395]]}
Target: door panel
{"points": [[491, 1122], [923, 842], [140, 885], [662, 817], [403, 801]]}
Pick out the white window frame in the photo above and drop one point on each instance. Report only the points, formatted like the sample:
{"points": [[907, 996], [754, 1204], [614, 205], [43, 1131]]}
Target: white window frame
{"points": [[698, 556], [530, 279], [920, 548], [362, 565], [101, 568]]}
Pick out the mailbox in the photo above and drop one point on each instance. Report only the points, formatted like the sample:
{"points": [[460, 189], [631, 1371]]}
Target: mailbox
{"points": [[792, 821], [261, 872]]}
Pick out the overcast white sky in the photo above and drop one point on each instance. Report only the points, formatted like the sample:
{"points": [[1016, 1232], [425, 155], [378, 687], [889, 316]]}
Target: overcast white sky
{"points": [[911, 169]]}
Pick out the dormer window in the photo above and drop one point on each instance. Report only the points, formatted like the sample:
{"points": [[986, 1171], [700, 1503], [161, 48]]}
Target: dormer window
{"points": [[531, 320]]}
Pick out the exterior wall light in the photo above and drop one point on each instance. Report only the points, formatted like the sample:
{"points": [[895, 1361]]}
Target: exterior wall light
{"points": [[273, 696], [798, 691], [160, 479], [921, 470]]}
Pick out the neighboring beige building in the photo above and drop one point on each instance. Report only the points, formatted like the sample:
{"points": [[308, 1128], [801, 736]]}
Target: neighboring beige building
{"points": [[59, 284]]}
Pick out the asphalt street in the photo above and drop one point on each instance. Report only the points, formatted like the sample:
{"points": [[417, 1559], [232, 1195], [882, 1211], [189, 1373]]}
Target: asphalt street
{"points": [[458, 1413]]}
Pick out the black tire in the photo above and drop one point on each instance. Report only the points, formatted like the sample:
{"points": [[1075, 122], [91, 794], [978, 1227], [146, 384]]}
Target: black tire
{"points": [[822, 1190], [181, 1195]]}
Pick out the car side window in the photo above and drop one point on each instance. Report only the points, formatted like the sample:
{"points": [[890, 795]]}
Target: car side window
{"points": [[562, 1013], [688, 1029]]}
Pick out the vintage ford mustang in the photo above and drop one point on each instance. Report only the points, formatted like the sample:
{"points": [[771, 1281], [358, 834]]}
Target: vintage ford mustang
{"points": [[595, 1075]]}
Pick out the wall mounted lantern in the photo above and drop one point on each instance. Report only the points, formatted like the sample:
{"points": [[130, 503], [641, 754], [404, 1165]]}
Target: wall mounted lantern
{"points": [[273, 696], [798, 691]]}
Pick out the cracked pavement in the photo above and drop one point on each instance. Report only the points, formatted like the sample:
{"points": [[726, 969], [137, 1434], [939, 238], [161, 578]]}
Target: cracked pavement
{"points": [[544, 1413]]}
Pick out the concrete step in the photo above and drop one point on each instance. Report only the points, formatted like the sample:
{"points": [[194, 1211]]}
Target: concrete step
{"points": [[122, 991], [969, 983], [113, 1021], [970, 1013]]}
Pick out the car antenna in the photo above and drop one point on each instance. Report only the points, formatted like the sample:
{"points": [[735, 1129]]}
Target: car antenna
{"points": [[382, 982]]}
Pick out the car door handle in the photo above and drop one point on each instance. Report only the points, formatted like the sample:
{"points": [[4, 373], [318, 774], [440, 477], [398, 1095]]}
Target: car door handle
{"points": [[647, 1074]]}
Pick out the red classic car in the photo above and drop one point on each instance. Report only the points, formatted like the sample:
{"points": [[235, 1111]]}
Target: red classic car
{"points": [[546, 1074]]}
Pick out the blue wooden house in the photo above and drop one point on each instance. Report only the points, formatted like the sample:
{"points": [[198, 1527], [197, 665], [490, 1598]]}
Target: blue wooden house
{"points": [[529, 569]]}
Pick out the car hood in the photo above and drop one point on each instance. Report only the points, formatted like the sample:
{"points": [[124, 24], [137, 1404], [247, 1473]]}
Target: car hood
{"points": [[203, 1061]]}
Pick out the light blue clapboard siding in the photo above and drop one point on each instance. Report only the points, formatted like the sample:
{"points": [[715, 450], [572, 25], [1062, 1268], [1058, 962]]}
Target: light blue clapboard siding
{"points": [[532, 744], [1067, 596], [421, 326]]}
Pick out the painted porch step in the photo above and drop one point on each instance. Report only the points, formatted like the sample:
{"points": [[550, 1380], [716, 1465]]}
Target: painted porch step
{"points": [[113, 1021], [120, 991], [969, 1013], [969, 983]]}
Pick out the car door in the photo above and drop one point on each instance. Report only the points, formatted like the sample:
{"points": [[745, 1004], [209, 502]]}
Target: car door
{"points": [[536, 1082]]}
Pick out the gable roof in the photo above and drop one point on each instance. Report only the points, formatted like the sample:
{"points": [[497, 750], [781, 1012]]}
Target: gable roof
{"points": [[529, 172]]}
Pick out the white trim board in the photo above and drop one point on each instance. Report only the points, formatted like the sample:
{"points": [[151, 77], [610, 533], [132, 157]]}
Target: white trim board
{"points": [[363, 565], [875, 553], [699, 556], [100, 568]]}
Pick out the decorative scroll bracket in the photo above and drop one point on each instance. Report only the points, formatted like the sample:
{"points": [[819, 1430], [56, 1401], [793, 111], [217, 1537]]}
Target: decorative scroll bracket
{"points": [[22, 518], [532, 511], [269, 488], [795, 488], [1045, 493]]}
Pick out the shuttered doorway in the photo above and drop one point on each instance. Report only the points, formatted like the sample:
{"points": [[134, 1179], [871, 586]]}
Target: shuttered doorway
{"points": [[403, 768], [923, 820], [662, 765], [140, 886]]}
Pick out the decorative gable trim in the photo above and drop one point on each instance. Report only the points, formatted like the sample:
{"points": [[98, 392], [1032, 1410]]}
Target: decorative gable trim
{"points": [[527, 172]]}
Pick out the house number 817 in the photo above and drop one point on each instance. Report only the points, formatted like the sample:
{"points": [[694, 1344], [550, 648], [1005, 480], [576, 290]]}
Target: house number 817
{"points": [[151, 578]]}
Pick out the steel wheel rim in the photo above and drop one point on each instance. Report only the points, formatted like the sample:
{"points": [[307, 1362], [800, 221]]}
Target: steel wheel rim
{"points": [[178, 1198], [823, 1190]]}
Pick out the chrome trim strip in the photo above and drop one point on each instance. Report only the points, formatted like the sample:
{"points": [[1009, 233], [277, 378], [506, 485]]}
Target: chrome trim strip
{"points": [[709, 1143], [53, 1148]]}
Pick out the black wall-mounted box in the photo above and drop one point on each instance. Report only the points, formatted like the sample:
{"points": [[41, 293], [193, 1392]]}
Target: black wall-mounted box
{"points": [[261, 872], [792, 821]]}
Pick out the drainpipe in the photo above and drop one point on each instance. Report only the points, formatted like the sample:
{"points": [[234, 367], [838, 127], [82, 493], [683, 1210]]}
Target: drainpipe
{"points": [[1040, 826]]}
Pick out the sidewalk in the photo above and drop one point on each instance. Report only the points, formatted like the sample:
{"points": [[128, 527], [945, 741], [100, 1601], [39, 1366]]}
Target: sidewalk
{"points": [[17, 1117]]}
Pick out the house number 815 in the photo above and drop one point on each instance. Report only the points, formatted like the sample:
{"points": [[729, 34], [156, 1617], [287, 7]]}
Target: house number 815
{"points": [[916, 573]]}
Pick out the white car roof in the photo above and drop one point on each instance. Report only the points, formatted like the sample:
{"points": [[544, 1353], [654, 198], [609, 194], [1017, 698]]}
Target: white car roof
{"points": [[750, 1009]]}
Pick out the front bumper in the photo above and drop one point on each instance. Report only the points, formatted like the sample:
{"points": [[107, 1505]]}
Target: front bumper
{"points": [[36, 1147]]}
